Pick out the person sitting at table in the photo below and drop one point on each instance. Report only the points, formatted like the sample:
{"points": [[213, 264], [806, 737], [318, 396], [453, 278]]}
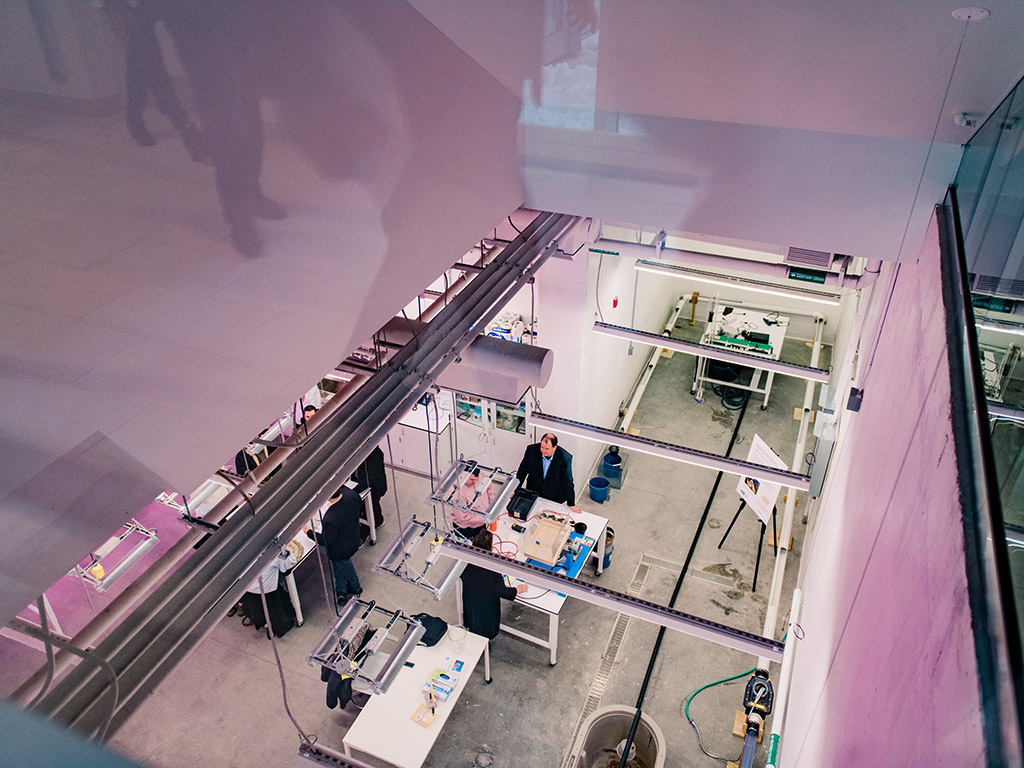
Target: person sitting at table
{"points": [[482, 591], [547, 470], [473, 500], [279, 604]]}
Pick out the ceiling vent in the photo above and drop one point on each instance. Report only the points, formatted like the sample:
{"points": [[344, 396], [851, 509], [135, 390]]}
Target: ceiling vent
{"points": [[998, 286], [802, 257]]}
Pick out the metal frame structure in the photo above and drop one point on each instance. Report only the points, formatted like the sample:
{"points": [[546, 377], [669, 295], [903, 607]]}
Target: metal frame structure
{"points": [[186, 607], [360, 643]]}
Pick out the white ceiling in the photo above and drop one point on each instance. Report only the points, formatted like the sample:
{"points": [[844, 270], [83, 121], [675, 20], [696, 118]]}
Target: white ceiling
{"points": [[396, 136]]}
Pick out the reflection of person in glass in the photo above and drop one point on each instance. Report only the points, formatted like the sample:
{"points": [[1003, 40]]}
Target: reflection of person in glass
{"points": [[752, 484], [219, 46], [134, 24], [475, 497]]}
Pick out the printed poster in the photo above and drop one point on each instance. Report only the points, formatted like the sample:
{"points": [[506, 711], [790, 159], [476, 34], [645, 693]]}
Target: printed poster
{"points": [[761, 495]]}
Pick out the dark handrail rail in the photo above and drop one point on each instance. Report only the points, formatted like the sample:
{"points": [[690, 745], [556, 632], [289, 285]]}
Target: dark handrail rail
{"points": [[990, 591]]}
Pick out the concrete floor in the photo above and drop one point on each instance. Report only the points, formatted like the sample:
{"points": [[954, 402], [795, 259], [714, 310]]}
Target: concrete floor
{"points": [[223, 705]]}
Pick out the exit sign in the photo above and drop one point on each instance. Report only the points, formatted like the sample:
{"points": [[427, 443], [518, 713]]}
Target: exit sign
{"points": [[807, 275]]}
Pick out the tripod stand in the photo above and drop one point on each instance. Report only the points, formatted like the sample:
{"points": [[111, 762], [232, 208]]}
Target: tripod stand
{"points": [[760, 541]]}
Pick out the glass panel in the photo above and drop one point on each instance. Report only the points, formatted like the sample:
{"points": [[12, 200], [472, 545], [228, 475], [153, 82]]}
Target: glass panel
{"points": [[469, 409]]}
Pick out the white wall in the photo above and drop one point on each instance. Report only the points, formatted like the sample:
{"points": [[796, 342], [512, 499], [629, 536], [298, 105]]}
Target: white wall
{"points": [[593, 373], [886, 672]]}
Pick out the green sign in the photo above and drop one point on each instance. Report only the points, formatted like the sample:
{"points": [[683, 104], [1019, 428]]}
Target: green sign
{"points": [[991, 303], [807, 275]]}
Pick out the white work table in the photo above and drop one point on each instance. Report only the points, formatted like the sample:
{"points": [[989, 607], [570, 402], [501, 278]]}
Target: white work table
{"points": [[726, 329], [385, 728], [512, 544]]}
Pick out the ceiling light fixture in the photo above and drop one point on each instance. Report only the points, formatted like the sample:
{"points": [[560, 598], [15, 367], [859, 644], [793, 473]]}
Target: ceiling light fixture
{"points": [[685, 273]]}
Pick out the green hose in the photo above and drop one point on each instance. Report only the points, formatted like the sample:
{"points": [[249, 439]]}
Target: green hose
{"points": [[711, 685]]}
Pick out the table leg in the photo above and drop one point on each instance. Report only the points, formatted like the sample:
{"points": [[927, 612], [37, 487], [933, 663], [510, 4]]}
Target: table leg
{"points": [[368, 509], [487, 662], [553, 637], [698, 374], [293, 595], [768, 389], [600, 551]]}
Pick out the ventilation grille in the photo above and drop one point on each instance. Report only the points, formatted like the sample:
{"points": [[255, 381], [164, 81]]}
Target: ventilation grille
{"points": [[999, 286], [802, 257]]}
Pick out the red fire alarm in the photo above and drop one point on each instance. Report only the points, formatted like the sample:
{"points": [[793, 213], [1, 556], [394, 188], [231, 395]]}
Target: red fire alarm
{"points": [[615, 302]]}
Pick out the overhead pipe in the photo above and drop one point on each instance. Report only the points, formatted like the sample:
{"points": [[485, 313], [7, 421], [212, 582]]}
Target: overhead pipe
{"points": [[188, 605], [713, 261], [1000, 412], [782, 544], [785, 680], [236, 496]]}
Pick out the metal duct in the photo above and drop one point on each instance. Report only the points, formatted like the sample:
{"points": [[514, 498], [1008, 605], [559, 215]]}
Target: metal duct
{"points": [[498, 369]]}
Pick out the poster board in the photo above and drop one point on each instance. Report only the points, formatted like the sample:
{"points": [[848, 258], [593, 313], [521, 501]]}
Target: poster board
{"points": [[761, 495]]}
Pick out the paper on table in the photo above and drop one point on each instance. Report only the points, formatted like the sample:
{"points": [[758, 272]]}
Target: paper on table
{"points": [[423, 715]]}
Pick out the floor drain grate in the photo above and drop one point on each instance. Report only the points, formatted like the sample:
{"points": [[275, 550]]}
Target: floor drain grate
{"points": [[611, 653]]}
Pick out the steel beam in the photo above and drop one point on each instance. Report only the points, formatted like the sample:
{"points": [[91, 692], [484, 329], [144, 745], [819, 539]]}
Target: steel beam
{"points": [[670, 618], [715, 353], [669, 451]]}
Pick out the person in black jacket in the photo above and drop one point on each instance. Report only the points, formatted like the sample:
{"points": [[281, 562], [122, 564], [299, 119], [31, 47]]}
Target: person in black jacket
{"points": [[482, 591], [547, 470], [371, 474], [341, 537]]}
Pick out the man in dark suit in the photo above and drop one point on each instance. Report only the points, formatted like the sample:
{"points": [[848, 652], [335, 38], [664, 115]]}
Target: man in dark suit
{"points": [[341, 538], [547, 470]]}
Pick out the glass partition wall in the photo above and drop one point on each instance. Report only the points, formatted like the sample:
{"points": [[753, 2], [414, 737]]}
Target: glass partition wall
{"points": [[987, 210]]}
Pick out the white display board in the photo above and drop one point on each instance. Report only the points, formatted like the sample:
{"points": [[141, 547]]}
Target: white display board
{"points": [[761, 495]]}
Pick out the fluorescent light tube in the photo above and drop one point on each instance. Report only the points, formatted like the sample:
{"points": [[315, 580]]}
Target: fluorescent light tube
{"points": [[673, 270]]}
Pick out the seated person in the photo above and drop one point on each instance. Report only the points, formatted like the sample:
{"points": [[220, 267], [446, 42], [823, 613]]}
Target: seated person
{"points": [[279, 604], [472, 497]]}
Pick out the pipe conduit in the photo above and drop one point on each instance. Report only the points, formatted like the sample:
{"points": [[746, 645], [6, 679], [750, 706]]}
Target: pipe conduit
{"points": [[182, 610]]}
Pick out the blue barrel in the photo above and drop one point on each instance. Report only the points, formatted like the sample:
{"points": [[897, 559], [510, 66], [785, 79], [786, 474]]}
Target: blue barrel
{"points": [[599, 489], [611, 468]]}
